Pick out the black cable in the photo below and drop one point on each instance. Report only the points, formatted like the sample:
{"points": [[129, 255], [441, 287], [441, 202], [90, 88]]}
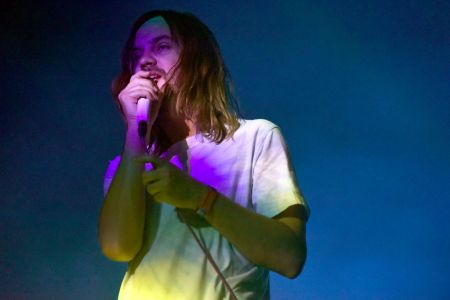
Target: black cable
{"points": [[142, 130], [208, 256]]}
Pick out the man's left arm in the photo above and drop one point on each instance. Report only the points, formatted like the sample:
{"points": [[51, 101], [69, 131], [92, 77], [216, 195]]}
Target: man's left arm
{"points": [[277, 243]]}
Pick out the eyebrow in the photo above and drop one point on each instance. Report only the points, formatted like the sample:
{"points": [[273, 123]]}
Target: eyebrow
{"points": [[160, 37], [155, 40]]}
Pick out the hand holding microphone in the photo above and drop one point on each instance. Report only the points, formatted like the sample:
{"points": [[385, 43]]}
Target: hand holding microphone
{"points": [[140, 101]]}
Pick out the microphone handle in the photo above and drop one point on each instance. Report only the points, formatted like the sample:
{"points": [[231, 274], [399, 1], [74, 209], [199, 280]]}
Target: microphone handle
{"points": [[143, 106]]}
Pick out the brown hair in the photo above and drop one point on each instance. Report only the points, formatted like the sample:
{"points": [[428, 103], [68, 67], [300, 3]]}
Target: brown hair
{"points": [[204, 92]]}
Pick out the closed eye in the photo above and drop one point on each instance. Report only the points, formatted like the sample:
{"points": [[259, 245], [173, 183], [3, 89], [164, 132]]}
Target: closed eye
{"points": [[162, 47]]}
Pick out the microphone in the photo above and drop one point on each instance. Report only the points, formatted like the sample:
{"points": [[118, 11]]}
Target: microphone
{"points": [[142, 110], [143, 106]]}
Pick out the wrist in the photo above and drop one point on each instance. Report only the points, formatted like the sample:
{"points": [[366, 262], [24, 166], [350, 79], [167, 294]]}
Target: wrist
{"points": [[134, 144], [206, 203]]}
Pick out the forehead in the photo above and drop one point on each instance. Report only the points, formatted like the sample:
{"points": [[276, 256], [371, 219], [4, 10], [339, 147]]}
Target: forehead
{"points": [[151, 29]]}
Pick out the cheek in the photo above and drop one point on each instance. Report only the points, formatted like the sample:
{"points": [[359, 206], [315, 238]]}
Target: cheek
{"points": [[172, 62], [174, 57], [171, 68]]}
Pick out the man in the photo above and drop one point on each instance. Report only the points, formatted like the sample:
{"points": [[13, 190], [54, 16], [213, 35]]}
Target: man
{"points": [[228, 180]]}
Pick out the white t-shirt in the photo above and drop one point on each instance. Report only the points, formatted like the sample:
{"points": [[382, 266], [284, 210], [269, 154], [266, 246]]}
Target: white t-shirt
{"points": [[253, 169]]}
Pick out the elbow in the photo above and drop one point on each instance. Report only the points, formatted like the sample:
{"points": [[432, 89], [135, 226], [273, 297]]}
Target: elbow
{"points": [[119, 243], [294, 271], [117, 249], [117, 253], [296, 264]]}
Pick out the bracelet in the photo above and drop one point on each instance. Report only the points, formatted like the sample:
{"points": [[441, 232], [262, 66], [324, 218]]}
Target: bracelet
{"points": [[207, 202]]}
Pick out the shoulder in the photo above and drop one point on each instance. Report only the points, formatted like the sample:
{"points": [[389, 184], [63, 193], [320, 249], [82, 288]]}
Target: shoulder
{"points": [[260, 127], [261, 124], [258, 134]]}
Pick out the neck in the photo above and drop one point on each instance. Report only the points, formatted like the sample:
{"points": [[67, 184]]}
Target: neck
{"points": [[176, 128]]}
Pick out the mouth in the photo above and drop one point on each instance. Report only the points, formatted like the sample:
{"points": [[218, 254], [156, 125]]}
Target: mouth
{"points": [[155, 76]]}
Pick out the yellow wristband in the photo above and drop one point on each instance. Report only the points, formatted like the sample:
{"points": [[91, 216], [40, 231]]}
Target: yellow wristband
{"points": [[207, 202]]}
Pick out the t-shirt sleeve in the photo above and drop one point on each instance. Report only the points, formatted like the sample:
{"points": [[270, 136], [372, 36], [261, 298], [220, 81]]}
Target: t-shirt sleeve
{"points": [[109, 175], [274, 183]]}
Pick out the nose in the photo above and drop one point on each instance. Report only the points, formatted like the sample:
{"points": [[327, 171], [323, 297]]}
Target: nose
{"points": [[147, 62]]}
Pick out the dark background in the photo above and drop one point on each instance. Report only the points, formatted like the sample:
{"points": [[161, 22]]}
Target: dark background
{"points": [[360, 90]]}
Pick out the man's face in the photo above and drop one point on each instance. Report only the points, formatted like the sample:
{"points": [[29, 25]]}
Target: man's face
{"points": [[154, 50]]}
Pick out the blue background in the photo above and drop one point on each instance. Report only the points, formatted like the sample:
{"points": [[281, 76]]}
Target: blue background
{"points": [[360, 90]]}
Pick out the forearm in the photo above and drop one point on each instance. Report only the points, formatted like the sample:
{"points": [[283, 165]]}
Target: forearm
{"points": [[262, 240], [121, 221]]}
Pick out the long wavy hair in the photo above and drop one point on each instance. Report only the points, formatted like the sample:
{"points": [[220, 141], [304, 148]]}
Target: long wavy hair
{"points": [[204, 86]]}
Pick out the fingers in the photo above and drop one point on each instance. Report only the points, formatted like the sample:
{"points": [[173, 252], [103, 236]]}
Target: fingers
{"points": [[144, 87], [139, 86], [154, 182], [152, 176], [142, 76], [144, 82], [138, 93], [154, 189], [138, 90], [145, 75], [141, 89]]}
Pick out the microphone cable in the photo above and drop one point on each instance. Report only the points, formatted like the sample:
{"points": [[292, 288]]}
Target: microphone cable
{"points": [[142, 130], [208, 255]]}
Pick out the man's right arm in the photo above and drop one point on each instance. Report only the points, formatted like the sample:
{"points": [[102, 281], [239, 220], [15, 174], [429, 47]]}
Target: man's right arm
{"points": [[122, 217]]}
